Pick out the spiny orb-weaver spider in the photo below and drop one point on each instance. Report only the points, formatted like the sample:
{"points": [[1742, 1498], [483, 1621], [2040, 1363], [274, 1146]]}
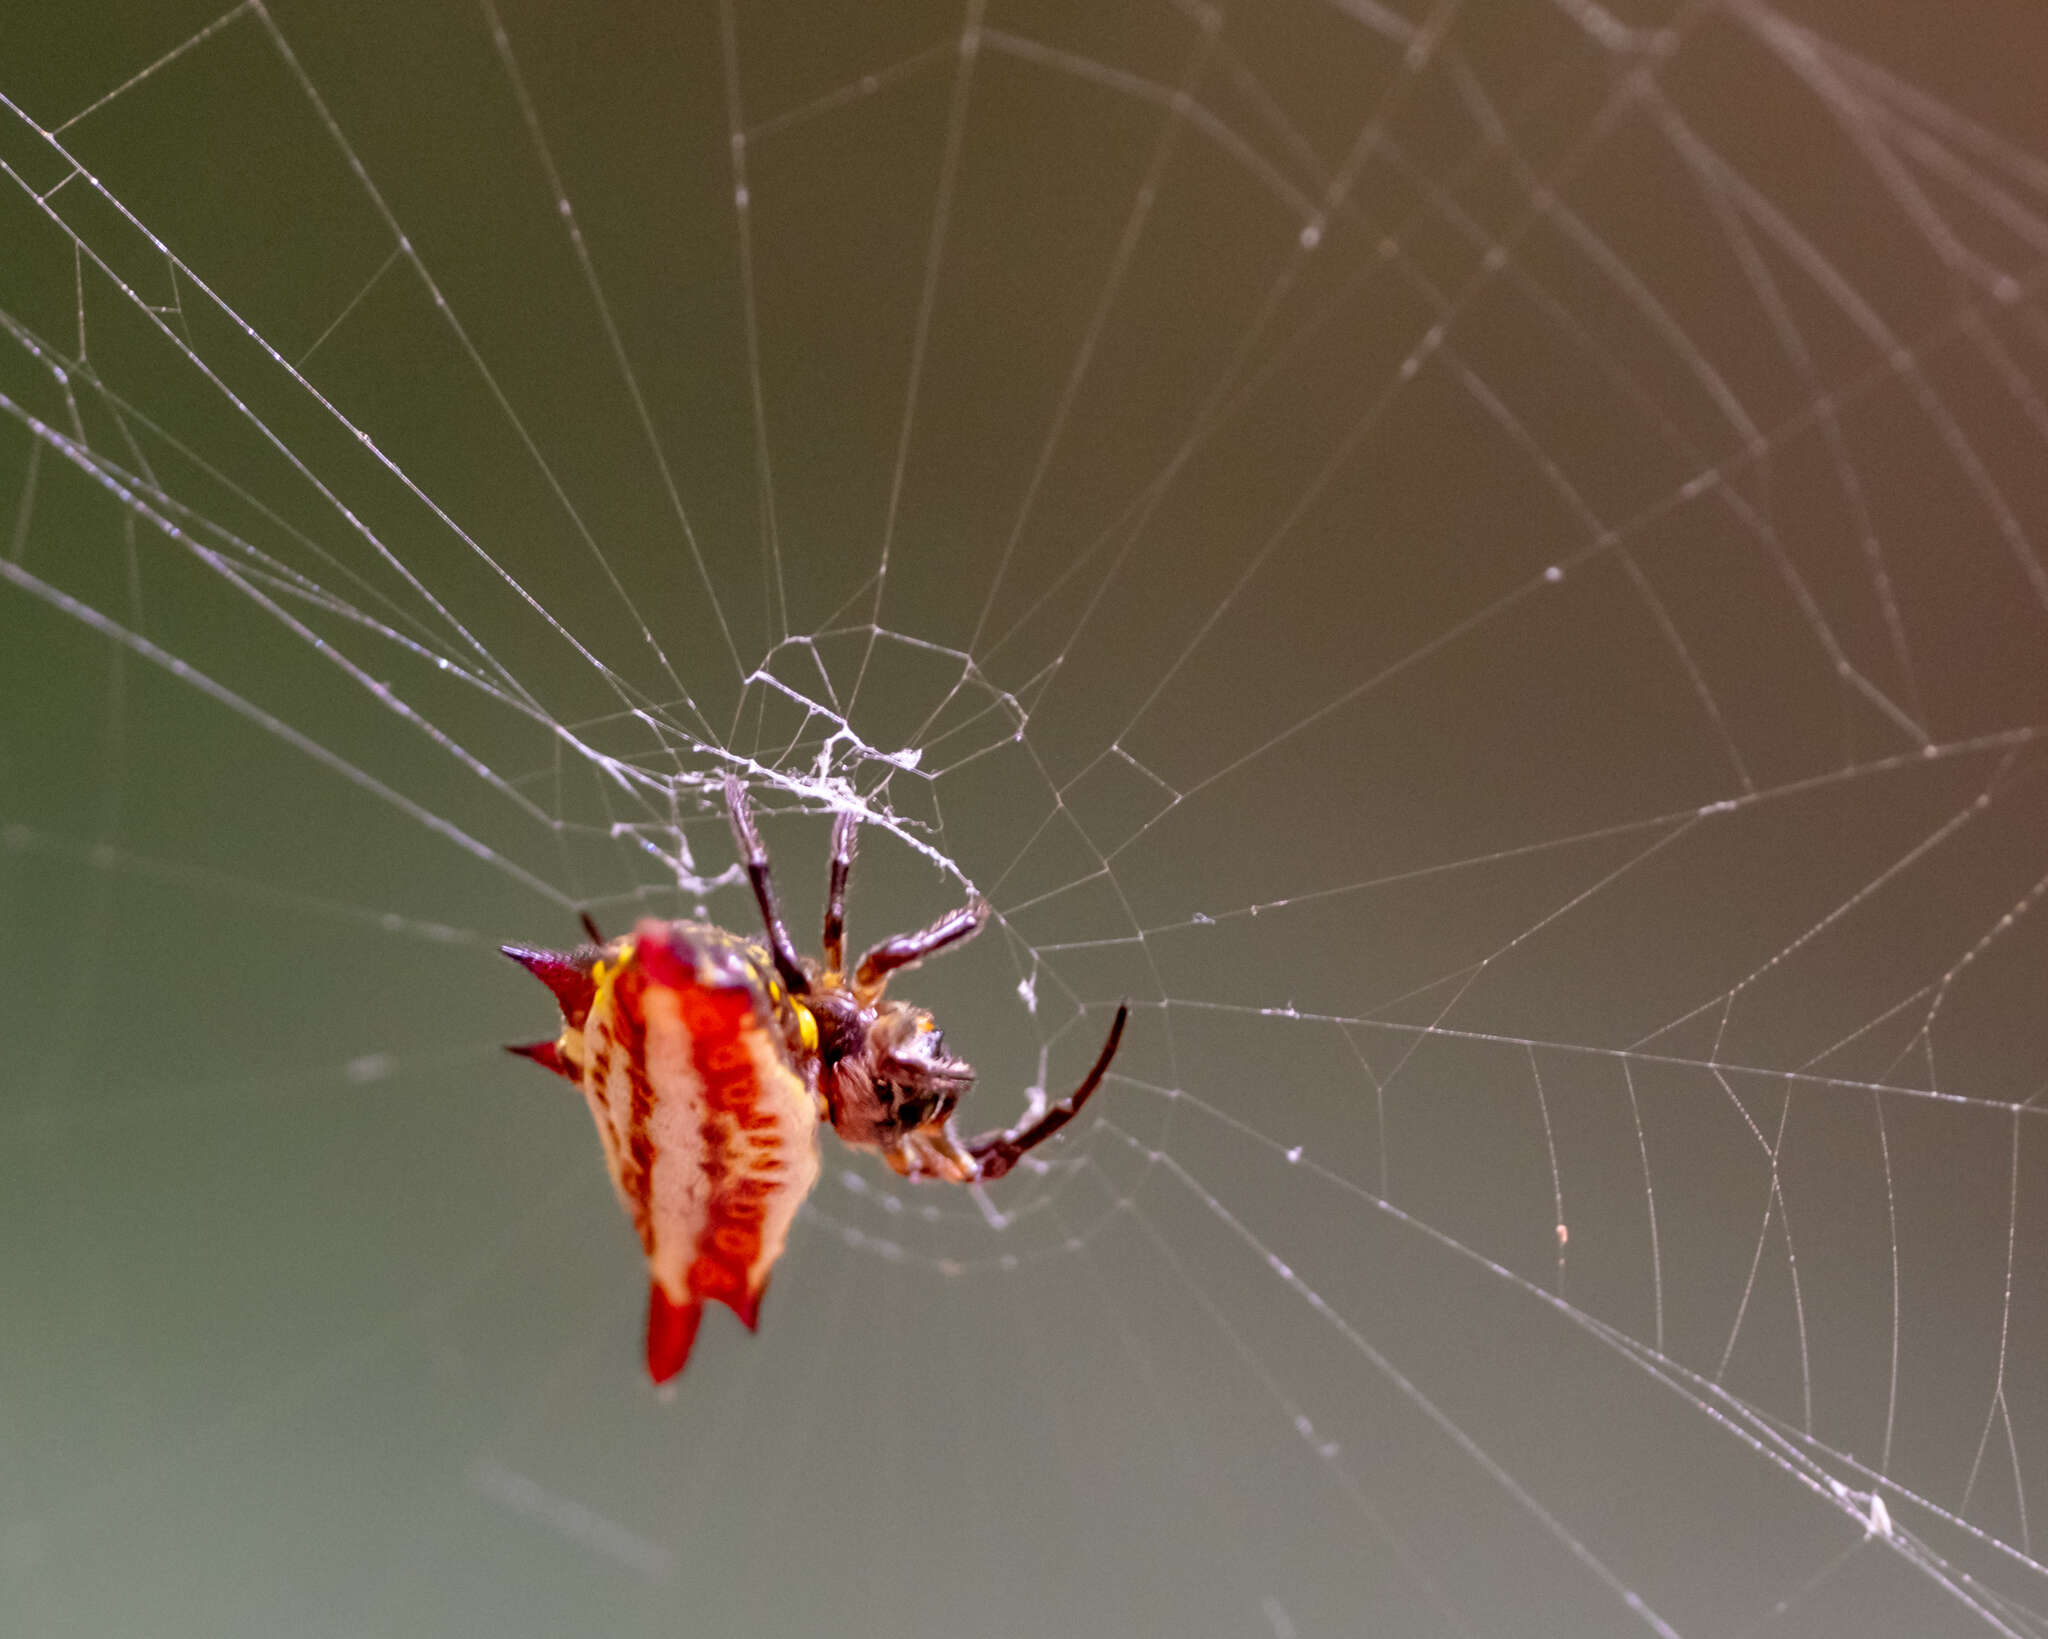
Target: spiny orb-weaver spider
{"points": [[708, 1061]]}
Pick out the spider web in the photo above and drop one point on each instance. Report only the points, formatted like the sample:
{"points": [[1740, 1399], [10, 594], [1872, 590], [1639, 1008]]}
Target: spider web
{"points": [[1482, 565]]}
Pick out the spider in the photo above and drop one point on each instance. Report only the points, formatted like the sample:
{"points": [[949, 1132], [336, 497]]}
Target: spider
{"points": [[708, 1060]]}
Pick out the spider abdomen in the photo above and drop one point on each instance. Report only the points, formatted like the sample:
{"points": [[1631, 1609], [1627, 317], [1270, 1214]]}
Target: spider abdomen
{"points": [[708, 1130]]}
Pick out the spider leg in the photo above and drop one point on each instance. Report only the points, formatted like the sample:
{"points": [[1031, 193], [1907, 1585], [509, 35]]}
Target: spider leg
{"points": [[995, 1153], [845, 833], [907, 949], [931, 1151], [755, 858], [590, 927]]}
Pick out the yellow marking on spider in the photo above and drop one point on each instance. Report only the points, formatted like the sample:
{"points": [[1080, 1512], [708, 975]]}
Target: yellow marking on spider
{"points": [[603, 973], [806, 1027]]}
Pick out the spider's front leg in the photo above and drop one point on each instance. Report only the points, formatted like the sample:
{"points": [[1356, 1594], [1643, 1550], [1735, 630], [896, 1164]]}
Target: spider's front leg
{"points": [[932, 1151], [845, 833], [871, 978], [995, 1153]]}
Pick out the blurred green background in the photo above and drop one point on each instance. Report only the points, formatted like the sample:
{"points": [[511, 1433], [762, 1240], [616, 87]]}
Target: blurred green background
{"points": [[1483, 565]]}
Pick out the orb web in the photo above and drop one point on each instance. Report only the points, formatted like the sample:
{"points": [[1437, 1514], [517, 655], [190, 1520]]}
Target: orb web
{"points": [[1480, 565]]}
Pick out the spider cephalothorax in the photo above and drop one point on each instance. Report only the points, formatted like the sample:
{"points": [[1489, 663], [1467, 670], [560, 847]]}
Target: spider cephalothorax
{"points": [[885, 1073], [708, 1061]]}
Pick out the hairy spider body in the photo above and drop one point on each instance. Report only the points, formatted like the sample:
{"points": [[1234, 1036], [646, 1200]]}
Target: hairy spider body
{"points": [[708, 1060]]}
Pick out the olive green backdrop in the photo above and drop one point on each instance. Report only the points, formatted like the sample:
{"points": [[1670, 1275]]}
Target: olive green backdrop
{"points": [[1487, 566]]}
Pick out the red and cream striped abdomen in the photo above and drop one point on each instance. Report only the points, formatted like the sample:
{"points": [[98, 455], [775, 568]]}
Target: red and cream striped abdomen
{"points": [[709, 1131]]}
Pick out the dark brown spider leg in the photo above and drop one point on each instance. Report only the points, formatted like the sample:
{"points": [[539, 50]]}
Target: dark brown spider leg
{"points": [[845, 833], [590, 927], [997, 1152], [755, 858], [906, 949]]}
